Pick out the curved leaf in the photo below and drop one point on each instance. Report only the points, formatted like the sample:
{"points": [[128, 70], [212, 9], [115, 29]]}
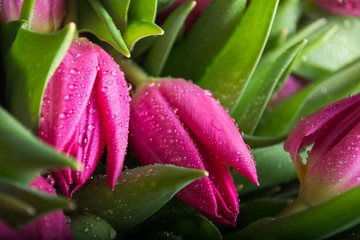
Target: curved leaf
{"points": [[205, 39], [89, 226], [282, 118], [137, 195], [160, 50], [29, 64], [22, 155], [27, 204], [273, 166], [249, 109], [92, 16], [315, 222], [138, 29], [230, 71]]}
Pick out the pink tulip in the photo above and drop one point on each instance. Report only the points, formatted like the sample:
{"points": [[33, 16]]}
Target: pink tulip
{"points": [[175, 122], [346, 7], [333, 164], [52, 226], [48, 14], [86, 105]]}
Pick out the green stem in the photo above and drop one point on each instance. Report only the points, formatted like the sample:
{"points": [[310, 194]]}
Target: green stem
{"points": [[27, 11], [133, 73], [297, 206]]}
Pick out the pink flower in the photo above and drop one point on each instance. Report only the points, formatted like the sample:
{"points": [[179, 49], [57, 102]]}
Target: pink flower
{"points": [[51, 226], [175, 122], [48, 14], [86, 105], [333, 164], [347, 7]]}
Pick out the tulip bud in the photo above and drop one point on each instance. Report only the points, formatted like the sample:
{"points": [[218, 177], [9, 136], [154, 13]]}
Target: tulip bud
{"points": [[332, 164], [86, 105], [48, 15], [175, 122], [346, 7], [51, 226]]}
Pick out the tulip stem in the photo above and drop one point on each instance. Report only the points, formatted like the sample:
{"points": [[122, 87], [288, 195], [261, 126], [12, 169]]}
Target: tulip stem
{"points": [[133, 73], [297, 206]]}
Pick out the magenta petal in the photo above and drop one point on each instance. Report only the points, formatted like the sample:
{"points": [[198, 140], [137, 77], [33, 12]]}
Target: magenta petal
{"points": [[158, 136], [210, 123], [48, 15], [114, 99], [10, 10], [52, 226], [66, 95], [341, 164], [313, 126], [347, 7], [6, 232]]}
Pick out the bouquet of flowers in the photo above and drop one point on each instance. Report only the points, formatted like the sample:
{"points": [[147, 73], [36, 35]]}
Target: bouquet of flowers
{"points": [[151, 119]]}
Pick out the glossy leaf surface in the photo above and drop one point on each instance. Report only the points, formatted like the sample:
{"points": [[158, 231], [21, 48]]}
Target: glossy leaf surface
{"points": [[138, 194], [30, 63]]}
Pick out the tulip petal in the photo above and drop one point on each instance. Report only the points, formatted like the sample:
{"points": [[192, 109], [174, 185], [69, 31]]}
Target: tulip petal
{"points": [[114, 99], [48, 15], [158, 136], [8, 233], [223, 186], [87, 148], [315, 125], [66, 95], [10, 10], [52, 226], [208, 120], [347, 7], [340, 165]]}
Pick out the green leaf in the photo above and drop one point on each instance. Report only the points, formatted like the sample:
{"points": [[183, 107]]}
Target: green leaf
{"points": [[230, 71], [184, 226], [89, 226], [302, 34], [343, 45], [144, 10], [138, 194], [285, 22], [29, 65], [93, 17], [280, 119], [26, 10], [22, 155], [249, 109], [316, 222], [273, 166], [163, 4], [138, 29], [160, 50], [19, 204], [260, 208], [259, 142], [205, 39], [118, 10]]}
